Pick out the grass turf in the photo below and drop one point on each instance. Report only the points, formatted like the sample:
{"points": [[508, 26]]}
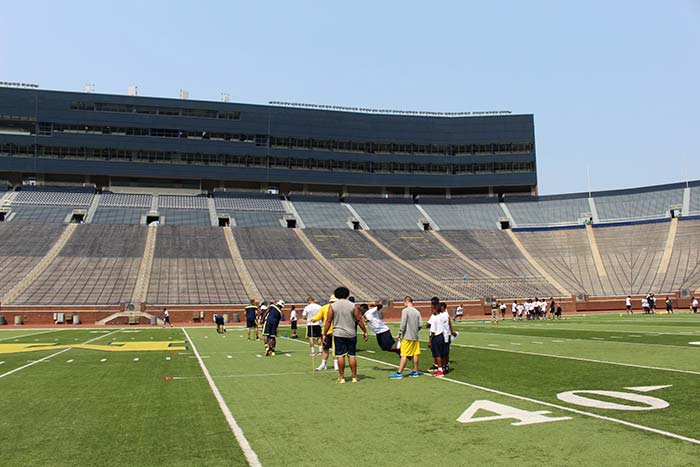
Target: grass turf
{"points": [[122, 412]]}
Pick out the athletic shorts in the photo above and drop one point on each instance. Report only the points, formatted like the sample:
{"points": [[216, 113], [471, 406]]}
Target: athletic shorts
{"points": [[329, 342], [249, 323], [385, 340], [166, 319], [410, 348], [313, 331], [439, 347], [294, 325], [345, 346], [270, 330]]}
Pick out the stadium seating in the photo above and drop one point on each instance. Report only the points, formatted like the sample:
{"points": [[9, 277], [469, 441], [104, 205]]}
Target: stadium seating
{"points": [[22, 245], [631, 254], [193, 265], [461, 214], [548, 211], [123, 200], [247, 202], [50, 214], [54, 197], [695, 201], [684, 267], [98, 265], [281, 266], [182, 202], [566, 254], [637, 206], [322, 212], [400, 214], [118, 215], [185, 217]]}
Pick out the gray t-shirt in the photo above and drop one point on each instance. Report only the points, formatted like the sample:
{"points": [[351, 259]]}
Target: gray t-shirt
{"points": [[344, 319], [410, 323]]}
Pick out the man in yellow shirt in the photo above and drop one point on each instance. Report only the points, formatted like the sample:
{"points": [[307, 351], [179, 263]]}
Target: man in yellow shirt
{"points": [[321, 317]]}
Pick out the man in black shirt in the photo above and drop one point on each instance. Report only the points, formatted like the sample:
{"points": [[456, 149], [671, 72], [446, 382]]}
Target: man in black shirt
{"points": [[251, 316]]}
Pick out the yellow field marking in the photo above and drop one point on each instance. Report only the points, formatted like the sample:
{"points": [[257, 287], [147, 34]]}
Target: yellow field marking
{"points": [[148, 346]]}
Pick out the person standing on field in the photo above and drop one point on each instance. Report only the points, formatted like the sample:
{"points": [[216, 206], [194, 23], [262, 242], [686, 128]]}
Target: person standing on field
{"points": [[345, 318], [408, 339]]}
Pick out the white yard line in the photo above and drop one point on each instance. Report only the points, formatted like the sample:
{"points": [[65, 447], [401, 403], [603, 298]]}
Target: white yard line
{"points": [[28, 335], [556, 328], [250, 455], [53, 355]]}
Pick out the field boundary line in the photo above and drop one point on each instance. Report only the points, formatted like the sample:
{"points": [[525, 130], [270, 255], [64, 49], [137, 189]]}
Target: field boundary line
{"points": [[248, 452], [510, 326], [54, 354], [549, 404], [591, 360]]}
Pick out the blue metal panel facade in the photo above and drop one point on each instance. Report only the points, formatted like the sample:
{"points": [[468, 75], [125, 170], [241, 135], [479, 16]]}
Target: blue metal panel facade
{"points": [[54, 111]]}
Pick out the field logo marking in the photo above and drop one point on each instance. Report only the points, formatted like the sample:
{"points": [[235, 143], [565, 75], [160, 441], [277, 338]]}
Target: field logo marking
{"points": [[506, 412], [250, 455], [648, 388], [650, 403]]}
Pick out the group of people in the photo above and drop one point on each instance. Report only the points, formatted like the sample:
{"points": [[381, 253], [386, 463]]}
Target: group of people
{"points": [[531, 309], [648, 303]]}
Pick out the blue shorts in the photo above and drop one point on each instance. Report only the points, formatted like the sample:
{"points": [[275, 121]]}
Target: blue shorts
{"points": [[385, 340], [345, 346], [250, 323], [439, 347], [270, 329]]}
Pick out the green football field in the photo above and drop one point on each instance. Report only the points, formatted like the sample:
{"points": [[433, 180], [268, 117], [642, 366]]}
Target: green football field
{"points": [[606, 390]]}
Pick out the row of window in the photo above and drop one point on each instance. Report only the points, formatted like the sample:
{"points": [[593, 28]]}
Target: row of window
{"points": [[304, 143], [128, 155], [152, 110]]}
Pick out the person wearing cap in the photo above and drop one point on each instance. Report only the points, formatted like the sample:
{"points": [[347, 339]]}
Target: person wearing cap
{"points": [[345, 318], [272, 321], [322, 317]]}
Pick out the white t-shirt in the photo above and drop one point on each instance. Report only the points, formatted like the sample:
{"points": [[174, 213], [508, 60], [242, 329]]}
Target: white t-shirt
{"points": [[375, 324], [628, 301], [459, 311], [309, 312], [695, 302], [435, 323], [293, 315], [445, 317], [514, 307]]}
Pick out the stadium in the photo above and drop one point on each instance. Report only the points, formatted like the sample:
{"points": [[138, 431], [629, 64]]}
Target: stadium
{"points": [[123, 214]]}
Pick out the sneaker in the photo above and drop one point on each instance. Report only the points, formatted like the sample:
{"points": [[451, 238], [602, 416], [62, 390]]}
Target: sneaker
{"points": [[321, 368], [432, 369], [438, 374], [414, 374], [341, 380], [355, 380], [396, 376]]}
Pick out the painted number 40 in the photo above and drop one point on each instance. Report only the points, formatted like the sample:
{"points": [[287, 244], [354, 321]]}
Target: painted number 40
{"points": [[580, 398]]}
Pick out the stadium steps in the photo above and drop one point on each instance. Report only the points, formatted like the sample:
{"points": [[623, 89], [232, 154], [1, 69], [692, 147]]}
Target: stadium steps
{"points": [[246, 279], [213, 217], [93, 208], [533, 262], [144, 277], [462, 256], [668, 253], [409, 266], [597, 259], [427, 217], [328, 265], [41, 266]]}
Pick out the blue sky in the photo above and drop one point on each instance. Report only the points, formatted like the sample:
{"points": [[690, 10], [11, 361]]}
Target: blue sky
{"points": [[614, 86]]}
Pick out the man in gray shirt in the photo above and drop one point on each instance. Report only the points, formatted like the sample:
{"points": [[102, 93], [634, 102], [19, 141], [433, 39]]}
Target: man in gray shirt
{"points": [[345, 319], [408, 337]]}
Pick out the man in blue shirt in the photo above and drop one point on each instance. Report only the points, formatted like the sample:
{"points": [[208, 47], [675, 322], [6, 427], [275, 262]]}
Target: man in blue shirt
{"points": [[272, 321]]}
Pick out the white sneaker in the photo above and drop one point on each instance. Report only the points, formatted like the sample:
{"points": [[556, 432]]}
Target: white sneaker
{"points": [[321, 368]]}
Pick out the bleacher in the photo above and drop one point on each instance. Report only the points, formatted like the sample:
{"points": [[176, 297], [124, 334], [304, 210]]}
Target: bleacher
{"points": [[124, 200], [54, 196], [182, 202], [48, 214], [281, 266], [322, 212], [694, 205], [391, 214], [637, 206], [684, 266], [118, 215], [548, 211], [228, 201], [98, 266], [198, 217], [22, 246], [193, 265], [462, 214]]}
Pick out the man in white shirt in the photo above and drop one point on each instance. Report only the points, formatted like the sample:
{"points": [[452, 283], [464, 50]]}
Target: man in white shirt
{"points": [[694, 305], [313, 330], [293, 321], [628, 304], [459, 313], [385, 340]]}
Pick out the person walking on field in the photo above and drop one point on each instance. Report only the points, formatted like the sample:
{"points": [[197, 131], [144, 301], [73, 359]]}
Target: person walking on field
{"points": [[408, 339], [345, 318], [251, 317], [669, 305]]}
